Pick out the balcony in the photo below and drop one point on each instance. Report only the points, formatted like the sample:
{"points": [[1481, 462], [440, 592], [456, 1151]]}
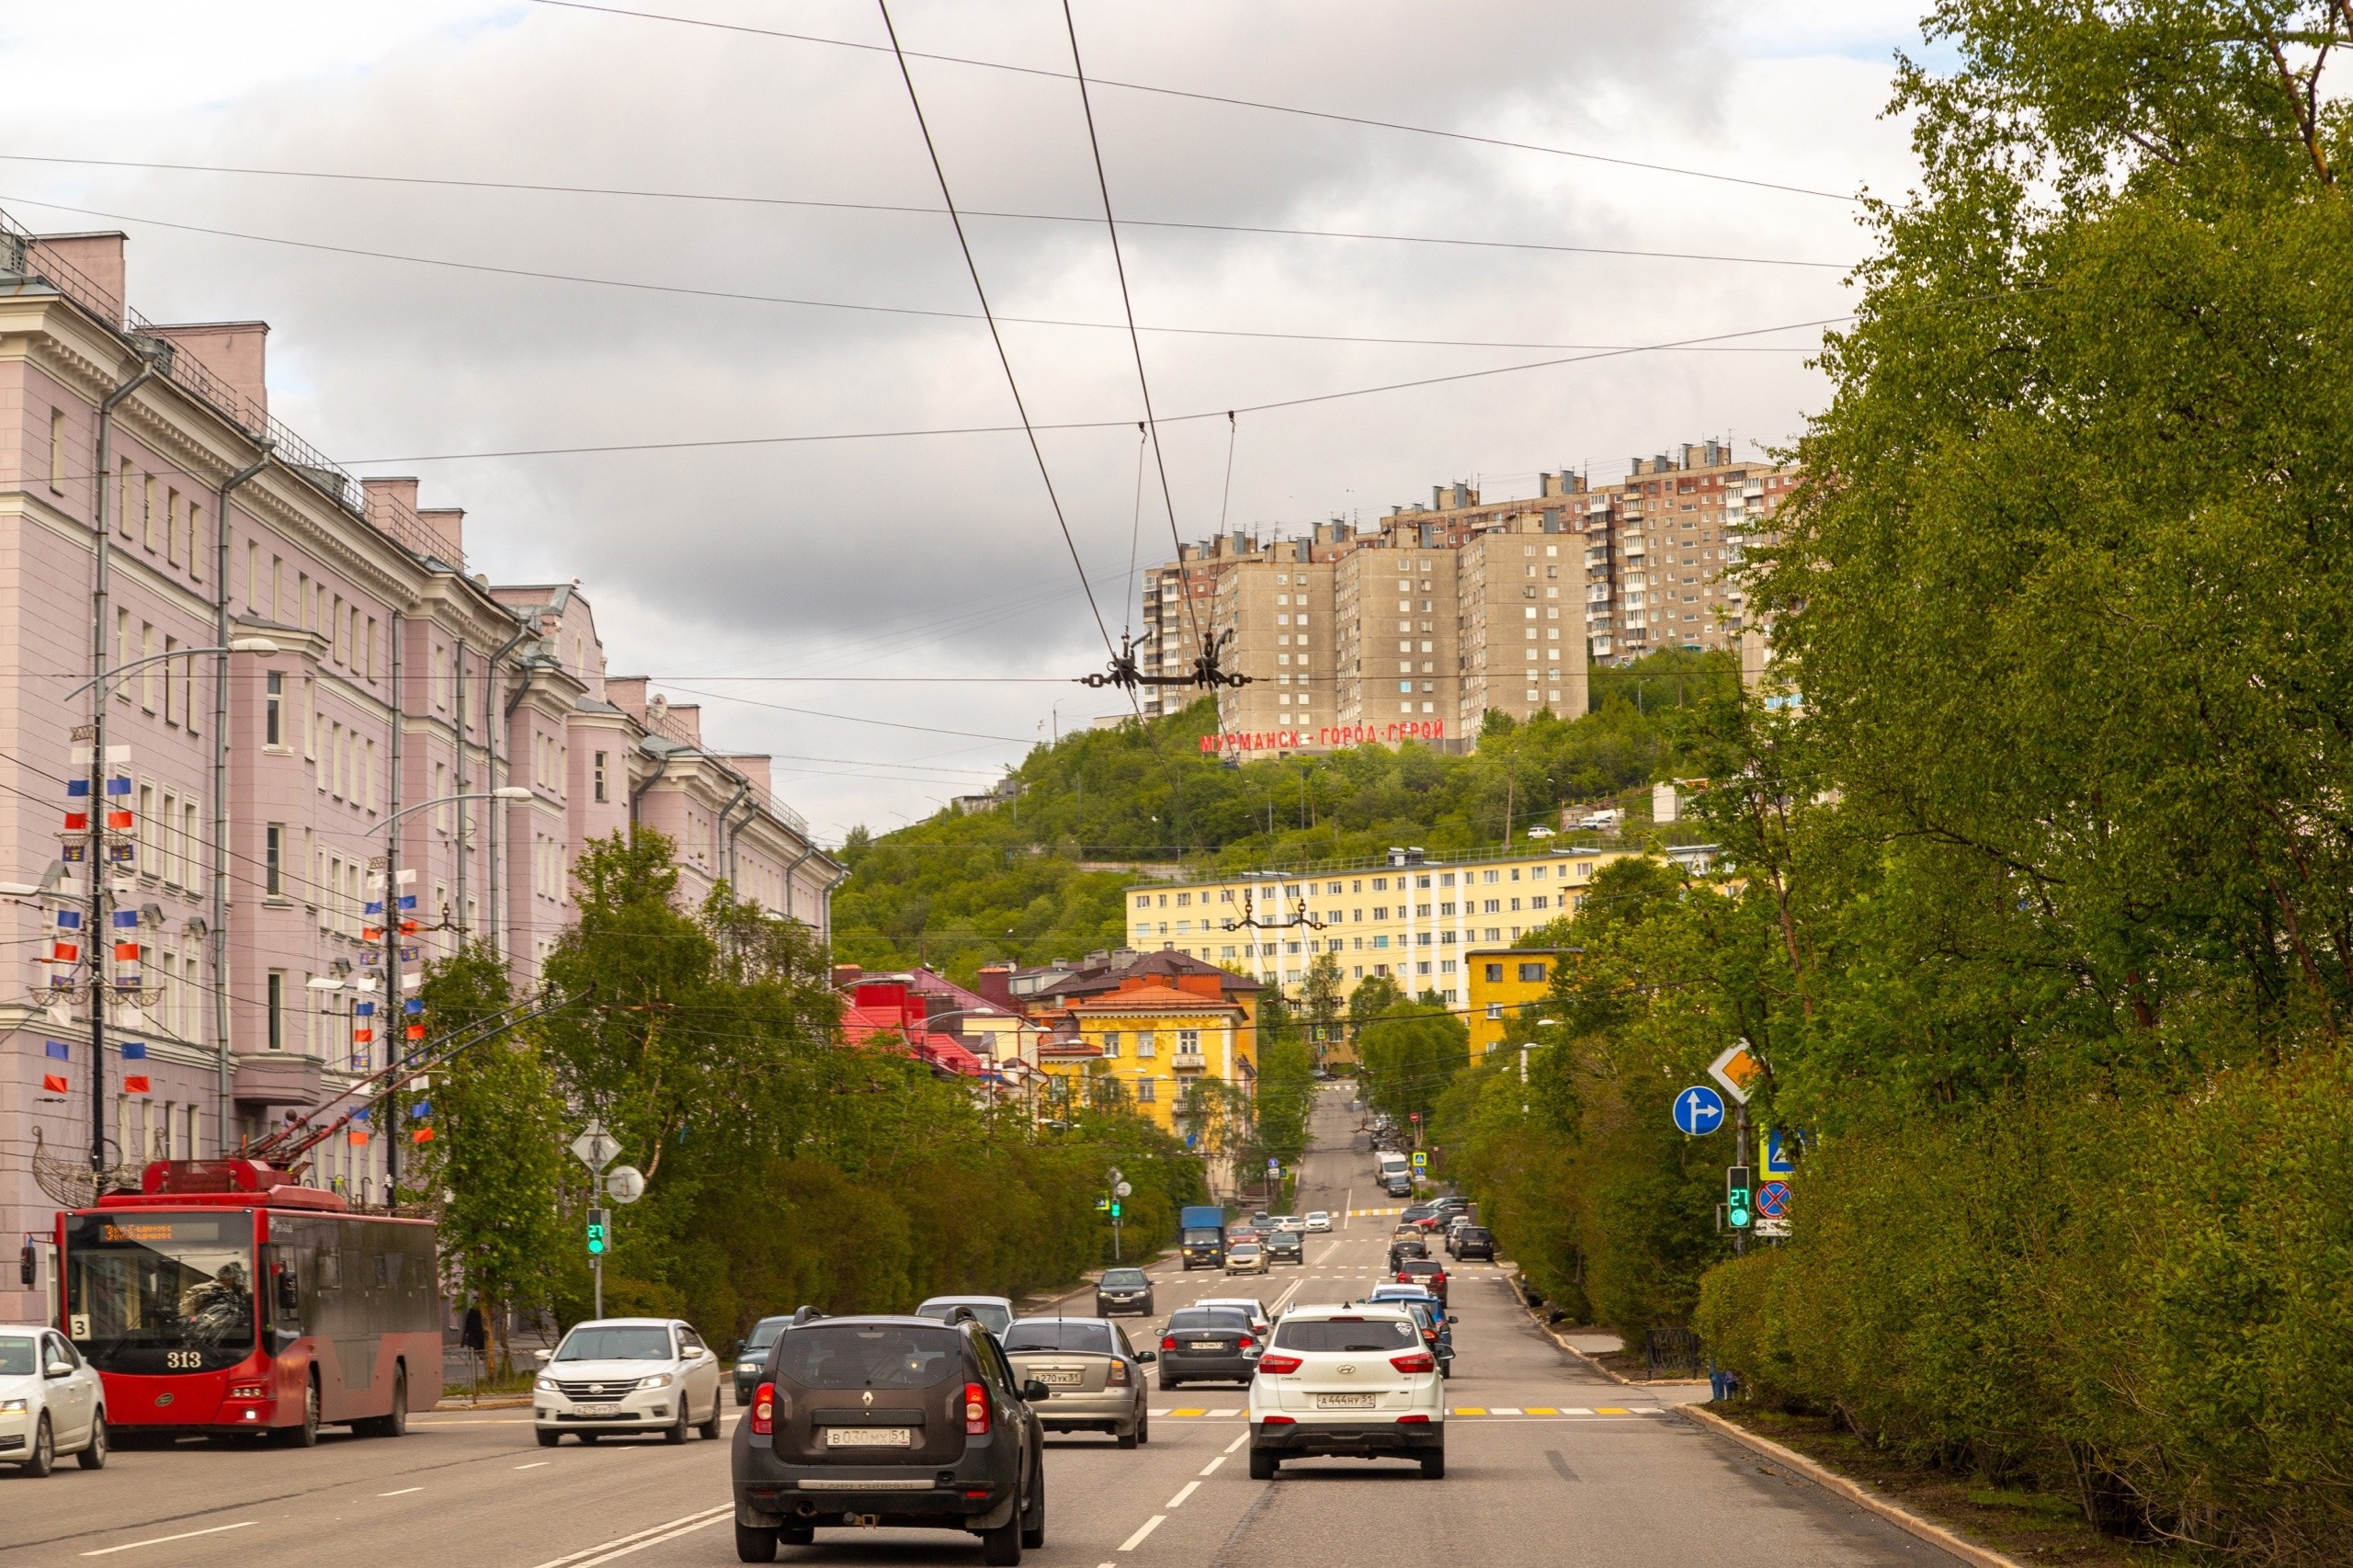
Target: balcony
{"points": [[1189, 1062]]}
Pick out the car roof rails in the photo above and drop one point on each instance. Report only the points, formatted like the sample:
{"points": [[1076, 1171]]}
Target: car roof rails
{"points": [[807, 1314]]}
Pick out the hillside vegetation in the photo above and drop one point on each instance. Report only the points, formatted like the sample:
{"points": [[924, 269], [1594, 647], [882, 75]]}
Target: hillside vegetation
{"points": [[1040, 876]]}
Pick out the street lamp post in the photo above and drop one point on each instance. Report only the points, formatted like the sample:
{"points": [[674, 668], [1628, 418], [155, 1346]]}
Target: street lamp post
{"points": [[390, 915], [95, 848]]}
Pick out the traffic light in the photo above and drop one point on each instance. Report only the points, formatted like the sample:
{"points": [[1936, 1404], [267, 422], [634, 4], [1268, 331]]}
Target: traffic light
{"points": [[1738, 1210], [598, 1220], [1115, 1209]]}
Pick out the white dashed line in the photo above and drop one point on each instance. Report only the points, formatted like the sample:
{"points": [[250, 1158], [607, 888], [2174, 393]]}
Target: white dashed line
{"points": [[1236, 1443], [158, 1541], [1178, 1501], [1212, 1465], [1136, 1540], [539, 1464], [402, 1493]]}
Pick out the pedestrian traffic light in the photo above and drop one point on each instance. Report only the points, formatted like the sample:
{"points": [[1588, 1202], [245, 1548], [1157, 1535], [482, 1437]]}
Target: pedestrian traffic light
{"points": [[1738, 1212], [597, 1223], [1115, 1209]]}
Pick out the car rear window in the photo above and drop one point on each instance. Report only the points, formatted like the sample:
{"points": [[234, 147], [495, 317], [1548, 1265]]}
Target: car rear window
{"points": [[1367, 1335], [1123, 1276], [1421, 1265], [1475, 1233], [1059, 1334], [764, 1333], [994, 1318], [870, 1356], [1214, 1320]]}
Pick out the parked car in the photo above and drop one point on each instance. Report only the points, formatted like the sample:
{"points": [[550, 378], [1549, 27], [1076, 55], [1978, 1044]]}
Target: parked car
{"points": [[1123, 1290], [752, 1357], [1428, 1272], [1347, 1379], [1437, 1333], [1452, 1203], [900, 1422], [51, 1401], [615, 1375], [1093, 1377], [1245, 1257], [995, 1312], [1318, 1221], [1261, 1319], [1208, 1343], [1286, 1246], [1472, 1241]]}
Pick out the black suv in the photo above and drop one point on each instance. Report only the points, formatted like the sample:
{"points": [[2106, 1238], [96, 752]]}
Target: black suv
{"points": [[1286, 1247], [903, 1422], [1123, 1290], [1473, 1240]]}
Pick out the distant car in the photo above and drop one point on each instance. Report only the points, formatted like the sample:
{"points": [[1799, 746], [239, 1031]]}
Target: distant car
{"points": [[1212, 1344], [1248, 1257], [1286, 1246], [1318, 1221], [1245, 1234], [51, 1401], [1260, 1220], [995, 1312], [1290, 1223], [1123, 1290], [1401, 1293], [1428, 1272], [1261, 1319], [1452, 1203], [1472, 1241], [902, 1422], [1437, 1333], [617, 1375], [1401, 1186], [1347, 1381], [752, 1357], [1406, 1248], [1093, 1377]]}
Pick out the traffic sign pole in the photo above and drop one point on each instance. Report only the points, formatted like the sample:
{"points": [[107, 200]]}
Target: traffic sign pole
{"points": [[1739, 1158]]}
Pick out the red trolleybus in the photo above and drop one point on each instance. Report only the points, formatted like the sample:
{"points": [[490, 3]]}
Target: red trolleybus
{"points": [[224, 1297]]}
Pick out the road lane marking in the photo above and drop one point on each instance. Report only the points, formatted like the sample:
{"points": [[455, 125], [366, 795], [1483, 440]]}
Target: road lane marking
{"points": [[1178, 1501], [1130, 1544], [1190, 1412], [1213, 1463], [604, 1551], [1236, 1443], [402, 1493], [1502, 1410], [1467, 1410], [158, 1541], [1542, 1410], [1611, 1410], [536, 1464], [1214, 1415]]}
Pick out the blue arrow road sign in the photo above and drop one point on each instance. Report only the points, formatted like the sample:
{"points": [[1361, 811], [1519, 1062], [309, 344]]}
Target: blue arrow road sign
{"points": [[1698, 1112]]}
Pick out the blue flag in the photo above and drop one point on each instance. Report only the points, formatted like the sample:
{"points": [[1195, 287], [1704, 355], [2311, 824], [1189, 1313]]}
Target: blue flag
{"points": [[77, 788], [118, 786], [364, 1009], [414, 1004], [420, 1110], [126, 919], [59, 1049], [134, 1051], [408, 901], [359, 1113], [373, 906], [69, 920]]}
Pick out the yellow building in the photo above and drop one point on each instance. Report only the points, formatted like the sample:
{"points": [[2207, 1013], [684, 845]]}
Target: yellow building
{"points": [[1410, 918], [1503, 981], [1155, 1040]]}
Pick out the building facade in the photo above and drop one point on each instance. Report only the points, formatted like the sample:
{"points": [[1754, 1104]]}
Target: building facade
{"points": [[282, 799], [1503, 983]]}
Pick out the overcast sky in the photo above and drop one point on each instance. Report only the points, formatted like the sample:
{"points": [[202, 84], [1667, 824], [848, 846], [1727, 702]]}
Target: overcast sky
{"points": [[937, 556]]}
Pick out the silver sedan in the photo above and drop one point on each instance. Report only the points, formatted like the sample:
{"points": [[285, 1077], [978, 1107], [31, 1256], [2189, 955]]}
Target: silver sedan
{"points": [[1094, 1378]]}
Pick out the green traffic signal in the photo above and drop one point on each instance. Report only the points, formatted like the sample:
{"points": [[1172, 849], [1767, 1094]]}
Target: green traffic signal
{"points": [[1737, 1206], [595, 1232], [1115, 1210]]}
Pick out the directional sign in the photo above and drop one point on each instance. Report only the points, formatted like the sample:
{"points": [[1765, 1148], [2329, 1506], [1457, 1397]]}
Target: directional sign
{"points": [[596, 1148], [1738, 1069], [1773, 1199], [1699, 1110]]}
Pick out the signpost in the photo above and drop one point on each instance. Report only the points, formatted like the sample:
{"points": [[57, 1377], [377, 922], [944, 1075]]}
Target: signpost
{"points": [[1779, 1147], [1736, 1069], [1699, 1110], [1421, 1159], [595, 1149]]}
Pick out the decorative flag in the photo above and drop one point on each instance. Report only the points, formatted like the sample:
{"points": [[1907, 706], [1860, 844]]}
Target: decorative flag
{"points": [[416, 1031], [358, 1136], [126, 952], [408, 901], [65, 952], [372, 933], [422, 1135], [69, 920], [362, 1113], [408, 928], [420, 1110], [119, 822], [74, 853], [363, 1036], [126, 919], [53, 1083], [412, 1004], [135, 1051], [118, 786], [135, 1084], [77, 821], [364, 1009], [77, 788], [373, 906], [58, 1049]]}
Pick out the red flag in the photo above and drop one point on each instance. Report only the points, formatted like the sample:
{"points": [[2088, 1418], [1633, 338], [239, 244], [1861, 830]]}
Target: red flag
{"points": [[135, 1085], [118, 820], [126, 952], [54, 1083], [358, 1138], [77, 821], [422, 1135], [372, 933], [361, 1036], [65, 952]]}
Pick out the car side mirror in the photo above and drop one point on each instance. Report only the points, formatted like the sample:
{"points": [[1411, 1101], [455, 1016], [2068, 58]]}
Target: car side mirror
{"points": [[546, 1353], [1033, 1391], [1146, 1356], [58, 1369]]}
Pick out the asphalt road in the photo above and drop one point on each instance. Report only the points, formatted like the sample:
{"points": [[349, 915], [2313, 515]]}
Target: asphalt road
{"points": [[1546, 1462]]}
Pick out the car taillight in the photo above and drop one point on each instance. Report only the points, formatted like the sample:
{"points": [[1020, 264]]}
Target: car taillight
{"points": [[1413, 1421], [1404, 1278], [1119, 1377], [1244, 1343], [976, 1411], [1277, 1364], [1422, 1361], [1277, 1421], [764, 1411]]}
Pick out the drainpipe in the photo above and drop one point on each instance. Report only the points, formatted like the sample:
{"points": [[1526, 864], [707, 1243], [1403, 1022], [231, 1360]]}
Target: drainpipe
{"points": [[661, 766], [218, 937], [796, 866], [744, 788], [494, 918]]}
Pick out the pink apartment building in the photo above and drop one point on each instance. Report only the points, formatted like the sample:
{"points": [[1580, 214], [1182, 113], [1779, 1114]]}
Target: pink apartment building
{"points": [[263, 787]]}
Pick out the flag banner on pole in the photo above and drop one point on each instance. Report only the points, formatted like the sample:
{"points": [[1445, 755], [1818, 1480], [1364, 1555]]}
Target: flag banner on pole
{"points": [[135, 1051], [373, 906], [422, 1135], [420, 1110], [78, 789], [358, 1136], [362, 1113], [364, 1009], [53, 1083], [126, 952], [69, 920], [135, 1084], [118, 786], [126, 919], [363, 1036], [58, 1049], [119, 822], [412, 1004], [77, 821], [408, 901], [416, 1031], [372, 933], [65, 952]]}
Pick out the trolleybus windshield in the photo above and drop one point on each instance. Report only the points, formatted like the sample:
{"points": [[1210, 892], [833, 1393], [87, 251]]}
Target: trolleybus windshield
{"points": [[157, 1293]]}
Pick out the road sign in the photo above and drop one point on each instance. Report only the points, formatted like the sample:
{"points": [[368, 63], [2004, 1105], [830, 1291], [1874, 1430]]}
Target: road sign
{"points": [[625, 1184], [1779, 1228], [1773, 1200], [1274, 1165], [1778, 1147], [1699, 1110], [1123, 1190], [1738, 1069], [596, 1148], [1421, 1159]]}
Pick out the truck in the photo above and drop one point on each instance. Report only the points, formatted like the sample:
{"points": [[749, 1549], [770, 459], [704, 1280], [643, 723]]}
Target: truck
{"points": [[1201, 1230], [1396, 1173]]}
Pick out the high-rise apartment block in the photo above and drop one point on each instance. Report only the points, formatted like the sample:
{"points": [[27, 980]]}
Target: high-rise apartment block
{"points": [[1663, 549]]}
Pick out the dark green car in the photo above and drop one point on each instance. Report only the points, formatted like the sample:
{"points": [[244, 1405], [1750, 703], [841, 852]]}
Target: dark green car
{"points": [[752, 1355]]}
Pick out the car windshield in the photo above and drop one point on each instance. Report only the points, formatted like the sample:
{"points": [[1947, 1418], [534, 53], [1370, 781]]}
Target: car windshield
{"points": [[1123, 1277], [1208, 1320], [592, 1343], [1060, 1334], [1244, 1249], [159, 1293], [15, 1356], [1345, 1334], [763, 1333], [993, 1317], [870, 1356]]}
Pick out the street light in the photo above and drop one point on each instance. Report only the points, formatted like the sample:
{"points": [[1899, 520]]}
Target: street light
{"points": [[235, 645]]}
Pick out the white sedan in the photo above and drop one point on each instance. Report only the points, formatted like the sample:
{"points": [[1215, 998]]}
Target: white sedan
{"points": [[621, 1375], [51, 1401], [1319, 1221], [1347, 1380]]}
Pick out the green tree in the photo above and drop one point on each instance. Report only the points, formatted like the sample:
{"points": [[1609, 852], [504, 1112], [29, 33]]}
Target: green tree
{"points": [[1410, 1054], [1320, 1004]]}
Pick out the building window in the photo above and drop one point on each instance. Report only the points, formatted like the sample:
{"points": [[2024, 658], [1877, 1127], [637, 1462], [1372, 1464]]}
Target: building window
{"points": [[1145, 1093], [57, 451], [272, 711], [276, 1009], [1188, 1042], [273, 860], [1531, 974], [1495, 975], [1145, 1045], [599, 780], [1495, 1009], [1111, 1045]]}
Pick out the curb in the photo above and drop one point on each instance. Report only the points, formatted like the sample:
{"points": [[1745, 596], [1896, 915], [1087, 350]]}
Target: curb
{"points": [[1615, 1376], [518, 1402], [1895, 1514]]}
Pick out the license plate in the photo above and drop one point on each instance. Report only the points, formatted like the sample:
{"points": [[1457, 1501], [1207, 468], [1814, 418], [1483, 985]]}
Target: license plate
{"points": [[1205, 1345], [869, 1438], [600, 1410], [1061, 1379], [1345, 1400]]}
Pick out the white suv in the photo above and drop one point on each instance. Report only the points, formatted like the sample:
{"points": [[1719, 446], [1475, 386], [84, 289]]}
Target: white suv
{"points": [[627, 1375], [1353, 1381]]}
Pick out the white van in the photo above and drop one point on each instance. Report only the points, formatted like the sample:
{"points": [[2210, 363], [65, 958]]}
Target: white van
{"points": [[1394, 1165]]}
